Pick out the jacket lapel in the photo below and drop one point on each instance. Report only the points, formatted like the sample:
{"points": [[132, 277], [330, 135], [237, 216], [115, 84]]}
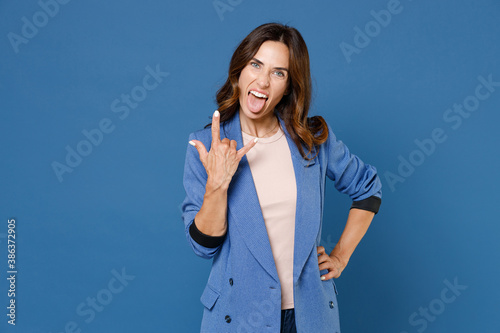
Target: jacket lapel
{"points": [[244, 206]]}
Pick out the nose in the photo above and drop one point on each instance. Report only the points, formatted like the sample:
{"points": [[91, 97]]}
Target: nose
{"points": [[263, 79]]}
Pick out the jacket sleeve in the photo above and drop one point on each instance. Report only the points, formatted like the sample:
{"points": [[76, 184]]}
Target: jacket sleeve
{"points": [[351, 176], [194, 180]]}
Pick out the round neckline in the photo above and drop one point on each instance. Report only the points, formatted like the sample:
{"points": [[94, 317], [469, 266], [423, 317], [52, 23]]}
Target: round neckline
{"points": [[276, 136]]}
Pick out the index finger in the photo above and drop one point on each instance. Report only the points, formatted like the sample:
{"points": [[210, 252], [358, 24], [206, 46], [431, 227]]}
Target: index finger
{"points": [[216, 128]]}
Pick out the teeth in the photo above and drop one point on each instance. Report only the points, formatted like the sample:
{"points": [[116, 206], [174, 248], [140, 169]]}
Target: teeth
{"points": [[258, 94]]}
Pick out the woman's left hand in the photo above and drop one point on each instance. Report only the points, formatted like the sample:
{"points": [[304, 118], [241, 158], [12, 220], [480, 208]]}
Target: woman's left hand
{"points": [[331, 262]]}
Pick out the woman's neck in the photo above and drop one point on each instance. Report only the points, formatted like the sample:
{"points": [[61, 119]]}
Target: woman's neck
{"points": [[260, 128]]}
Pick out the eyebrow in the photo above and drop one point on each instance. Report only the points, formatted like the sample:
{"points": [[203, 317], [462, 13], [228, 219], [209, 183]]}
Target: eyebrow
{"points": [[261, 63]]}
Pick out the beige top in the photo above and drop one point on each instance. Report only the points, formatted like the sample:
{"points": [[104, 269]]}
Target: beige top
{"points": [[271, 165]]}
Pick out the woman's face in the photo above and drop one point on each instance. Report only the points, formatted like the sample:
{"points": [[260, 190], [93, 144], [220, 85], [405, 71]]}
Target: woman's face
{"points": [[264, 81]]}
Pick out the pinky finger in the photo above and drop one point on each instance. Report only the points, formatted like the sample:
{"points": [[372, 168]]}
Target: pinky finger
{"points": [[245, 149]]}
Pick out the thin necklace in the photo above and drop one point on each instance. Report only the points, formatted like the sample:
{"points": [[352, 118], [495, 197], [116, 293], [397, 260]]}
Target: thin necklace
{"points": [[277, 123]]}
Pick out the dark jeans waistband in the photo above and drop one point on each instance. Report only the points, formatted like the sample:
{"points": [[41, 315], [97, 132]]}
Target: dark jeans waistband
{"points": [[288, 321]]}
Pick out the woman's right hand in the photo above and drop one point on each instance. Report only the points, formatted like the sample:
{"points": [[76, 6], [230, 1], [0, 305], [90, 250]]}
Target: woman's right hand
{"points": [[222, 161]]}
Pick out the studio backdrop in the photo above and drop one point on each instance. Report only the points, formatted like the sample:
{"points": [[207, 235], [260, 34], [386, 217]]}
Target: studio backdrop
{"points": [[98, 99]]}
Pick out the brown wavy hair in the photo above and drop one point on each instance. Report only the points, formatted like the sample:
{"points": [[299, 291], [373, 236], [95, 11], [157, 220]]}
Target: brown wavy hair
{"points": [[294, 106]]}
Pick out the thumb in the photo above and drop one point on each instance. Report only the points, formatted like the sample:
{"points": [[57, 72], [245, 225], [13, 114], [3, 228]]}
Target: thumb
{"points": [[200, 147]]}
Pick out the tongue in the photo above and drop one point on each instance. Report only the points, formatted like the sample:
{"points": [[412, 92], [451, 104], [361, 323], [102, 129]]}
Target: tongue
{"points": [[255, 104]]}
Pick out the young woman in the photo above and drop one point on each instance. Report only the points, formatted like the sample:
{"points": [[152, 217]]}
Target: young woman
{"points": [[255, 182]]}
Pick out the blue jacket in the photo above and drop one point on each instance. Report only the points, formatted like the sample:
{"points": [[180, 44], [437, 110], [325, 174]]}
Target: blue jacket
{"points": [[243, 292]]}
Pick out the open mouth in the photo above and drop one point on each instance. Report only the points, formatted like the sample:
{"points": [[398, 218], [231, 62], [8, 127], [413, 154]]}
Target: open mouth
{"points": [[258, 94], [256, 100]]}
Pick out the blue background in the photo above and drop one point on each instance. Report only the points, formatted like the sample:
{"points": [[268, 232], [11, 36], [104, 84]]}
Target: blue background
{"points": [[119, 209]]}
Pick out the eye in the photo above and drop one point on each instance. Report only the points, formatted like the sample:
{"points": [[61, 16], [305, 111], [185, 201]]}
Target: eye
{"points": [[254, 65], [279, 73]]}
